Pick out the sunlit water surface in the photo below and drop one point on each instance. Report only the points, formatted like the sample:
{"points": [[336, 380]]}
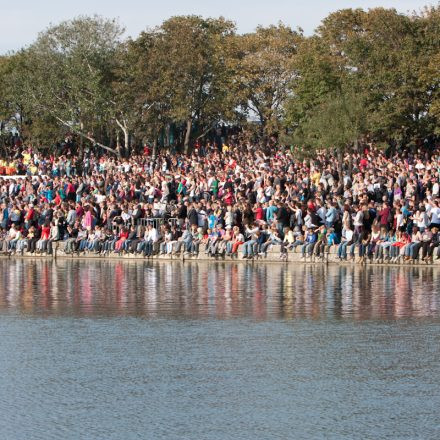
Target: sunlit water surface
{"points": [[118, 350]]}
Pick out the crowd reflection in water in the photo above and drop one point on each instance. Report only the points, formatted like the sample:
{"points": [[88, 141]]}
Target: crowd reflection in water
{"points": [[210, 290]]}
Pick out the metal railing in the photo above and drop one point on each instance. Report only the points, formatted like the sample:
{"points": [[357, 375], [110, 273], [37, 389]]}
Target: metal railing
{"points": [[157, 222]]}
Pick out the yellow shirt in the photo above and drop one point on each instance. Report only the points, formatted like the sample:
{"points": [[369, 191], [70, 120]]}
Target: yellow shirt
{"points": [[316, 177], [26, 158]]}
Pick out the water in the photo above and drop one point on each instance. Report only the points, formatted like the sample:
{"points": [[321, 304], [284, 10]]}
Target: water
{"points": [[120, 350]]}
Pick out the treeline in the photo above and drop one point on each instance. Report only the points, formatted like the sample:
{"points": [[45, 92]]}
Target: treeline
{"points": [[363, 74]]}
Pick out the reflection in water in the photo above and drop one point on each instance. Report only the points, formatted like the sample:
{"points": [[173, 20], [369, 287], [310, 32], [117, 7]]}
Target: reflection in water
{"points": [[347, 371], [217, 290]]}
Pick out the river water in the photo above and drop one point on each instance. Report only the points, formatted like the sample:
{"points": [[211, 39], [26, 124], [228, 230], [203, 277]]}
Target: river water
{"points": [[132, 350]]}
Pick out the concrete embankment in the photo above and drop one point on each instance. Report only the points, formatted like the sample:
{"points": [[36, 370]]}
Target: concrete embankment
{"points": [[272, 256]]}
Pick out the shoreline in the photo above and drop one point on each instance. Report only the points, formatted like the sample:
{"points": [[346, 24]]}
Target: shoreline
{"points": [[272, 257]]}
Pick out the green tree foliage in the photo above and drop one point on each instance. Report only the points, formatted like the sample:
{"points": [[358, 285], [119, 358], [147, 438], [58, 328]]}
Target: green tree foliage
{"points": [[363, 73], [69, 74], [386, 59], [266, 67], [182, 73], [430, 72], [193, 74], [16, 111], [12, 105]]}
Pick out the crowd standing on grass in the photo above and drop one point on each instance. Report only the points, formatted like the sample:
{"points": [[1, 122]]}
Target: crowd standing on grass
{"points": [[236, 199]]}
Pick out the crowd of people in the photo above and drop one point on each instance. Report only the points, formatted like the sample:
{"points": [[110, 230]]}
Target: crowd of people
{"points": [[240, 198]]}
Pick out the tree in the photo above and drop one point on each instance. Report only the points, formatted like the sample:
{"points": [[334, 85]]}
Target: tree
{"points": [[69, 72], [16, 112], [318, 75], [266, 67], [188, 71], [430, 73], [328, 107], [123, 103], [377, 70], [388, 53], [142, 87], [11, 100], [369, 73], [338, 122]]}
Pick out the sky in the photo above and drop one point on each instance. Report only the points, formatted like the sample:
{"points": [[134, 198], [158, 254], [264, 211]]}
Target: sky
{"points": [[23, 20]]}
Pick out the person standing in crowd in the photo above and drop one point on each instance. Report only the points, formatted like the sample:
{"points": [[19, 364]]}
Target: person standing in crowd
{"points": [[249, 196]]}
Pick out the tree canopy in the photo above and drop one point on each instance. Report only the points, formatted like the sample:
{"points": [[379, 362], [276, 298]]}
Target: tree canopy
{"points": [[362, 74]]}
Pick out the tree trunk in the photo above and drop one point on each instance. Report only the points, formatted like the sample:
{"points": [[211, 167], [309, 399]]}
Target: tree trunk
{"points": [[84, 135], [356, 146], [155, 147], [124, 129], [126, 142], [187, 135], [350, 163], [340, 162]]}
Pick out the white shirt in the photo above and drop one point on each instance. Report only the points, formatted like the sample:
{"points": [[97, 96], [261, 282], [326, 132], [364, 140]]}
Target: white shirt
{"points": [[12, 233], [100, 198], [358, 219], [435, 215], [153, 235], [348, 234], [321, 213]]}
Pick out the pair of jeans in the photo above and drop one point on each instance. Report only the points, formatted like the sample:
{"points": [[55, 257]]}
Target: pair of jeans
{"points": [[194, 247], [50, 246], [265, 246], [248, 248], [21, 244], [295, 244], [412, 248], [415, 250], [342, 250], [307, 248], [42, 245], [70, 245], [386, 248], [109, 245], [148, 248], [320, 247]]}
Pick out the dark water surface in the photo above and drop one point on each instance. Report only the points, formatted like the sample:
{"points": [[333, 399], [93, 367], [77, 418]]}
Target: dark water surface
{"points": [[124, 350]]}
